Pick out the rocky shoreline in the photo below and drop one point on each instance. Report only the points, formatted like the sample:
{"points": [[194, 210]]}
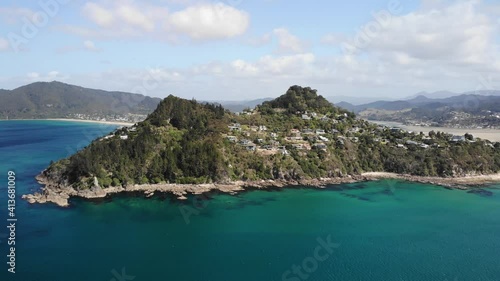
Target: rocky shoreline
{"points": [[60, 195]]}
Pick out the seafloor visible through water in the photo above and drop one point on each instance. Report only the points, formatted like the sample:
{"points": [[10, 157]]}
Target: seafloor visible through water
{"points": [[386, 230]]}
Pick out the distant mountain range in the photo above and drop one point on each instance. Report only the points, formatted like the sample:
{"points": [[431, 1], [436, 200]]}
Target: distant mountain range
{"points": [[60, 100], [469, 101], [238, 106], [355, 100], [468, 109]]}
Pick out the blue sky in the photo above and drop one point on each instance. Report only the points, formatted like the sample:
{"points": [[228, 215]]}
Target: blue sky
{"points": [[241, 49]]}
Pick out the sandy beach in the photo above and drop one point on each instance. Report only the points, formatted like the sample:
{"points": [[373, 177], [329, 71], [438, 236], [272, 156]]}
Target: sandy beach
{"points": [[93, 121], [457, 182], [487, 134], [127, 124]]}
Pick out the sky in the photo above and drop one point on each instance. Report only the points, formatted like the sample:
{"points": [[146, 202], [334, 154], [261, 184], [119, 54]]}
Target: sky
{"points": [[243, 50]]}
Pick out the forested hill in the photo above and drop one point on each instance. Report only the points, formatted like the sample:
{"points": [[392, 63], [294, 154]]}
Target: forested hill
{"points": [[59, 100], [296, 136], [298, 99]]}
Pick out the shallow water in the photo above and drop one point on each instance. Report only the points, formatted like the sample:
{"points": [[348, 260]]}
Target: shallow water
{"points": [[386, 230]]}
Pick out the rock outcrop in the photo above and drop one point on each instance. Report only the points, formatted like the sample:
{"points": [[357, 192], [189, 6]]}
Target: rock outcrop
{"points": [[60, 194]]}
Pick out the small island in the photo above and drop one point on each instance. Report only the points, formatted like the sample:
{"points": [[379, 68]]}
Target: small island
{"points": [[298, 138]]}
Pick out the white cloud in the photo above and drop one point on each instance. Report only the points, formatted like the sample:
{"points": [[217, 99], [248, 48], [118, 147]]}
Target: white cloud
{"points": [[15, 15], [453, 35], [118, 19], [86, 45], [90, 46], [33, 75], [135, 17], [333, 39], [209, 21], [287, 42], [439, 46], [126, 19], [47, 77], [286, 65], [4, 44], [98, 14], [298, 65], [430, 36]]}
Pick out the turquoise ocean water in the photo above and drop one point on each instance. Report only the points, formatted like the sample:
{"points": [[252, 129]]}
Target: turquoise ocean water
{"points": [[385, 230]]}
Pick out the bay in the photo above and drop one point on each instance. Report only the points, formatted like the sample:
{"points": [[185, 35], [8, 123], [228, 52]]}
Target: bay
{"points": [[385, 230]]}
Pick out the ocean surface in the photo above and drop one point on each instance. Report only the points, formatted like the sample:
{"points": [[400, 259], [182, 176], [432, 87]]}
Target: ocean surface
{"points": [[386, 230]]}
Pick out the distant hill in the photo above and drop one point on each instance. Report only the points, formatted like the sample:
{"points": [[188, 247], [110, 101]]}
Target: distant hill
{"points": [[469, 109], [298, 99], [355, 99], [466, 102], [59, 100], [346, 105], [238, 106], [435, 95]]}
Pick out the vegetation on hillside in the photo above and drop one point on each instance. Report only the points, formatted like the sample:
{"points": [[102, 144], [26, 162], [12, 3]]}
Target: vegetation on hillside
{"points": [[296, 136], [59, 100]]}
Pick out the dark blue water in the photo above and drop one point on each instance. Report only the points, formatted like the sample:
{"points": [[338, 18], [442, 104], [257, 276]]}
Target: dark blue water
{"points": [[385, 230]]}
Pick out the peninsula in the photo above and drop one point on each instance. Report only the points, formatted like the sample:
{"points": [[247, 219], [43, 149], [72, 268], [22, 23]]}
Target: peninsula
{"points": [[297, 139]]}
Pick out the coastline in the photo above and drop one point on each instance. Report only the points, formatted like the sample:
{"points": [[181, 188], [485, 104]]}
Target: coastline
{"points": [[487, 134], [75, 120], [60, 195]]}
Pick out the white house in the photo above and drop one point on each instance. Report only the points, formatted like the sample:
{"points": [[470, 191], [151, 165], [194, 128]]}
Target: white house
{"points": [[457, 139], [323, 139], [320, 132]]}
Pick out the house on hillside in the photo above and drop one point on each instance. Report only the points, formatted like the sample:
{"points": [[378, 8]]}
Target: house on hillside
{"points": [[235, 127], [251, 147], [458, 139], [307, 131], [298, 146], [354, 129], [283, 150], [410, 142], [320, 132], [245, 142], [323, 139], [320, 146]]}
